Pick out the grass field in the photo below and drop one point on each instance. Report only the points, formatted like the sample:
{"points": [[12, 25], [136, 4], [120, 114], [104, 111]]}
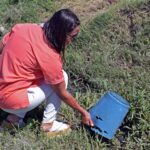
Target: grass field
{"points": [[112, 52]]}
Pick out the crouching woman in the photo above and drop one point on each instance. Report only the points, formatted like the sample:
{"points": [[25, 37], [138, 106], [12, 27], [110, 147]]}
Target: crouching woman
{"points": [[31, 71]]}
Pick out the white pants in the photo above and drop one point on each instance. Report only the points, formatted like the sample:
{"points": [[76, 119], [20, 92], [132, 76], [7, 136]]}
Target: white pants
{"points": [[36, 96]]}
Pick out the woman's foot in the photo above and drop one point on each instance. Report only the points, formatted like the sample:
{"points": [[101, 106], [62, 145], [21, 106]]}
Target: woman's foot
{"points": [[12, 121], [13, 118], [46, 126], [56, 128]]}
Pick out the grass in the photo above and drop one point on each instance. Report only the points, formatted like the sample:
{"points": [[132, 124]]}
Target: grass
{"points": [[19, 11], [111, 53]]}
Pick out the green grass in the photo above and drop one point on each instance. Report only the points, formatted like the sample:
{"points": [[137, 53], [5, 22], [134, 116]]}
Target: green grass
{"points": [[19, 11], [111, 53]]}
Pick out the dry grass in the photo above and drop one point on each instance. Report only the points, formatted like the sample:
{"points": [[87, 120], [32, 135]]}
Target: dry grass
{"points": [[85, 9]]}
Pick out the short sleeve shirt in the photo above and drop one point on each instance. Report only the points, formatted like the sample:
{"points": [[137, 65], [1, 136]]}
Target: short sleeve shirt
{"points": [[26, 60]]}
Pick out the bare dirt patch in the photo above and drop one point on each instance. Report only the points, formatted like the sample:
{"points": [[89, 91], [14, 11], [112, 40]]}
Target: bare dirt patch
{"points": [[86, 9]]}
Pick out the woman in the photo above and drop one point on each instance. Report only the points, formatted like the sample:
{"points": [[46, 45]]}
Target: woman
{"points": [[31, 70]]}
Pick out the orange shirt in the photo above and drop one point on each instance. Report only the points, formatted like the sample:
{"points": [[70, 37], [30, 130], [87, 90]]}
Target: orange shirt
{"points": [[26, 60]]}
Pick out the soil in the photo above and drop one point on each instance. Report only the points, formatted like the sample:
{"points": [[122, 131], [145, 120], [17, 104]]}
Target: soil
{"points": [[86, 9]]}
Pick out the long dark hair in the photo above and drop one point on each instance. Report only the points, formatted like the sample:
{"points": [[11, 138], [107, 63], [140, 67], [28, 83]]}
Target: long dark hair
{"points": [[57, 28]]}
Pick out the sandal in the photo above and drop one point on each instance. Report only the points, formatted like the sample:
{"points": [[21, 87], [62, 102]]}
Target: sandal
{"points": [[6, 124], [58, 129]]}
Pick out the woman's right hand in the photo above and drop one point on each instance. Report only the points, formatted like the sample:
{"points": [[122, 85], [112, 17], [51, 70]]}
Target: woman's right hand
{"points": [[86, 119]]}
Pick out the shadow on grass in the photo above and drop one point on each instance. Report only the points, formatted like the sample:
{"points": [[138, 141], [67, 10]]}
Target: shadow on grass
{"points": [[109, 142]]}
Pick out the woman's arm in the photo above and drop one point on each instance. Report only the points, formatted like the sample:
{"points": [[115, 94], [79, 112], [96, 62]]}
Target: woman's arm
{"points": [[1, 47], [70, 100]]}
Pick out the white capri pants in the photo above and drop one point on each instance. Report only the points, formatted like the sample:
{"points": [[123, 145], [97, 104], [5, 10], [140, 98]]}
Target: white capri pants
{"points": [[39, 94]]}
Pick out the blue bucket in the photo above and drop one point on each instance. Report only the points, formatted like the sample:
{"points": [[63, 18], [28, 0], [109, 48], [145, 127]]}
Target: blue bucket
{"points": [[108, 114]]}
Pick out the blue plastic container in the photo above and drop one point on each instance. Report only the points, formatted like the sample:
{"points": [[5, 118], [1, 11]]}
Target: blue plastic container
{"points": [[108, 114]]}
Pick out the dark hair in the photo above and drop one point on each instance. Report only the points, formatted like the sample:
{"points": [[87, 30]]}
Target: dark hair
{"points": [[57, 28]]}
